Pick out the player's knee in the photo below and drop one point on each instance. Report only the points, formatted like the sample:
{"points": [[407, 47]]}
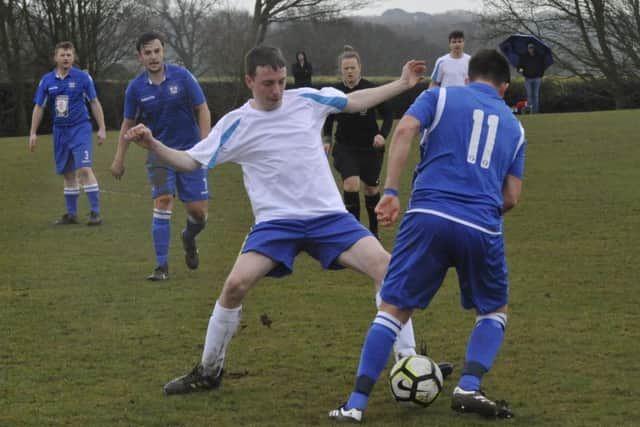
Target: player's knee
{"points": [[371, 191], [84, 175], [235, 288], [164, 201], [197, 214], [352, 183]]}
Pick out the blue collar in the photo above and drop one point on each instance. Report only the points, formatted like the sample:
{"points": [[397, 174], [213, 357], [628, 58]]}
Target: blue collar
{"points": [[485, 88], [72, 70], [167, 75]]}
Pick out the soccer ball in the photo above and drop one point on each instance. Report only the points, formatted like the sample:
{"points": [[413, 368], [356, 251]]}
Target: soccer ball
{"points": [[416, 380]]}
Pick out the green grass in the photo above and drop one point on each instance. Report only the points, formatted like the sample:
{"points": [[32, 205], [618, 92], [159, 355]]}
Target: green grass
{"points": [[86, 341]]}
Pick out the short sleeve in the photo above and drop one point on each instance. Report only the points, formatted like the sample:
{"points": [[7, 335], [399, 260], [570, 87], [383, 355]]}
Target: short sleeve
{"points": [[327, 100], [436, 74], [214, 149], [130, 107], [41, 94], [517, 166], [424, 107], [193, 87], [89, 88]]}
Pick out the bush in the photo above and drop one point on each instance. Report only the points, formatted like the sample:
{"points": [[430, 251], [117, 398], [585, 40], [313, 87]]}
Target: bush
{"points": [[557, 95]]}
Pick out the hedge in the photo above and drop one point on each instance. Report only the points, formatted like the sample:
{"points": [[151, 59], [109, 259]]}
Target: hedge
{"points": [[557, 95]]}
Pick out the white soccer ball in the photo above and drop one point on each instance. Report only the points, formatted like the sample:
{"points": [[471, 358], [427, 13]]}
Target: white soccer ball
{"points": [[416, 380]]}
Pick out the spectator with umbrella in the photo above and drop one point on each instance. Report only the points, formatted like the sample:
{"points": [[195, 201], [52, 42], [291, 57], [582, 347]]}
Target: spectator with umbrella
{"points": [[531, 57]]}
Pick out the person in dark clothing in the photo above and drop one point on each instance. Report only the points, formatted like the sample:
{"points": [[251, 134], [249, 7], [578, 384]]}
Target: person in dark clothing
{"points": [[531, 65], [302, 70], [359, 149]]}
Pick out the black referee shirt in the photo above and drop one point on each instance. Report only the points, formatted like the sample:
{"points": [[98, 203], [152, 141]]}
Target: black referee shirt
{"points": [[356, 130]]}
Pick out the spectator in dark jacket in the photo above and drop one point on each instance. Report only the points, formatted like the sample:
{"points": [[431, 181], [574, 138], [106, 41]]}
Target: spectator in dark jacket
{"points": [[302, 70], [531, 65], [359, 149]]}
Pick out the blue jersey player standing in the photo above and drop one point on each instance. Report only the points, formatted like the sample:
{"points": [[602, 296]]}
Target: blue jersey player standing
{"points": [[66, 90], [470, 173], [169, 100]]}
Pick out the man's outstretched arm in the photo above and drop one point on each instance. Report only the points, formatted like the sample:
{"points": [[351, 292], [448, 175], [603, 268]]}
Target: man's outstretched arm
{"points": [[360, 100], [177, 159]]}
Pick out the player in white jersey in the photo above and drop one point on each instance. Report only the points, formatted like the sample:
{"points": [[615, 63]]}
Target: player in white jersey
{"points": [[276, 139], [452, 69]]}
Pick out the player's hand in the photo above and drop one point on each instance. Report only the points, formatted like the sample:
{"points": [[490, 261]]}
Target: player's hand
{"points": [[387, 210], [378, 142], [141, 135], [33, 141], [413, 71], [117, 168], [102, 136]]}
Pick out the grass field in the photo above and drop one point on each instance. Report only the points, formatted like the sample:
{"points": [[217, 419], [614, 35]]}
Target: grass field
{"points": [[86, 341]]}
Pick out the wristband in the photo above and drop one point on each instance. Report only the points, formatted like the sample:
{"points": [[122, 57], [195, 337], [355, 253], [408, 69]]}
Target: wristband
{"points": [[390, 192]]}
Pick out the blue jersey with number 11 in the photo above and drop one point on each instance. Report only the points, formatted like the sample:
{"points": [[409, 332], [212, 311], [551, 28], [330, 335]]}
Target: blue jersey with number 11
{"points": [[471, 143]]}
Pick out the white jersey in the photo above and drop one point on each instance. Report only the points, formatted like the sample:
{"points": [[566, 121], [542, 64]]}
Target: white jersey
{"points": [[285, 169], [450, 71]]}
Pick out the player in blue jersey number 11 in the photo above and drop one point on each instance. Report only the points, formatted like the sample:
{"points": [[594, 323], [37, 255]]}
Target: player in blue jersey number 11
{"points": [[470, 173]]}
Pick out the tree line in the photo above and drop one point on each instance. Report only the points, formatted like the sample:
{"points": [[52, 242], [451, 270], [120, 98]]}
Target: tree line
{"points": [[592, 39]]}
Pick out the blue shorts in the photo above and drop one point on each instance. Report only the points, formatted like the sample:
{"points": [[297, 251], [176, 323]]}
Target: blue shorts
{"points": [[190, 186], [72, 147], [427, 245], [324, 238]]}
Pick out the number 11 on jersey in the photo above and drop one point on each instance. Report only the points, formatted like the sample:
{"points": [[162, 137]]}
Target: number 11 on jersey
{"points": [[474, 142]]}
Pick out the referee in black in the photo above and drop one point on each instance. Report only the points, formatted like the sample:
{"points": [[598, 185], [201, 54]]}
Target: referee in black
{"points": [[359, 149]]}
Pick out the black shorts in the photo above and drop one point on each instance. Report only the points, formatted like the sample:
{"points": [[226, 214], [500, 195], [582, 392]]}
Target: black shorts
{"points": [[365, 164]]}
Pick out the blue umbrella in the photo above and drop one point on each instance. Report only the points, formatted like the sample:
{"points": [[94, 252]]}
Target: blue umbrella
{"points": [[517, 44]]}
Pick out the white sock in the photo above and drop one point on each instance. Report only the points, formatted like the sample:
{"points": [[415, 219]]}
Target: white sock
{"points": [[405, 344], [223, 324]]}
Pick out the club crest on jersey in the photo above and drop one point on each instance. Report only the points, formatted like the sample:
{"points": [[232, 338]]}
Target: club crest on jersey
{"points": [[72, 85], [173, 89], [62, 106]]}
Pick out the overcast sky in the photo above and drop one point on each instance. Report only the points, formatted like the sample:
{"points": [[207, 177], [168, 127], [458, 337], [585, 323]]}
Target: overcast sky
{"points": [[428, 6]]}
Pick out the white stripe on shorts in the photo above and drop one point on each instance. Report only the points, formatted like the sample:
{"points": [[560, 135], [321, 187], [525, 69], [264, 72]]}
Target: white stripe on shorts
{"points": [[455, 219]]}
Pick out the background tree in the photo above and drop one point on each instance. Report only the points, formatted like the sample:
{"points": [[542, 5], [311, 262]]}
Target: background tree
{"points": [[267, 12], [187, 27], [103, 31], [11, 56], [590, 38]]}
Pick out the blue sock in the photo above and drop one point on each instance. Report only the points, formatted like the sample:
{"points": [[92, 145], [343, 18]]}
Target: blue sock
{"points": [[375, 353], [482, 348], [193, 228], [71, 198], [161, 230], [93, 194]]}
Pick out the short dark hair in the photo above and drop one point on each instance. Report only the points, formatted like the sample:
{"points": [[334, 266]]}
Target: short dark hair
{"points": [[147, 38], [64, 45], [263, 56], [456, 34], [489, 64]]}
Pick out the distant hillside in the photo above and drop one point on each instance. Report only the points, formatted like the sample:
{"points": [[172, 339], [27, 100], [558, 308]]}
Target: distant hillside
{"points": [[384, 41], [433, 27]]}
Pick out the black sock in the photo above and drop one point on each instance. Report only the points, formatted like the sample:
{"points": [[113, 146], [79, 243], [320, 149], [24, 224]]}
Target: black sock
{"points": [[193, 228], [370, 202], [352, 203]]}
